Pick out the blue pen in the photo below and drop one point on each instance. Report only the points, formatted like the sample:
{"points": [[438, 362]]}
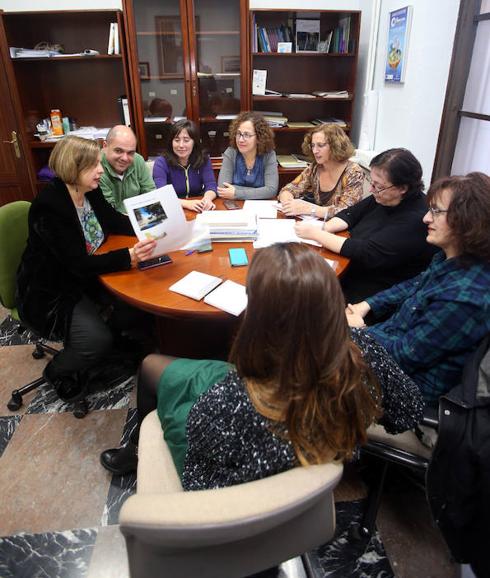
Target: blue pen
{"points": [[190, 252]]}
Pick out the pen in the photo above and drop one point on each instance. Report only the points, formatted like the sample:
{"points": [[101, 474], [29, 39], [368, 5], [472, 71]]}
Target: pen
{"points": [[190, 252], [324, 220]]}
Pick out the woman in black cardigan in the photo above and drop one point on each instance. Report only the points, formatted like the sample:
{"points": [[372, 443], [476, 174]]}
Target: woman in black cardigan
{"points": [[58, 292]]}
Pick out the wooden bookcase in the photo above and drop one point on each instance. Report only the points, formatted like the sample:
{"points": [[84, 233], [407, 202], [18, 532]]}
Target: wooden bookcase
{"points": [[305, 72], [84, 88], [188, 58]]}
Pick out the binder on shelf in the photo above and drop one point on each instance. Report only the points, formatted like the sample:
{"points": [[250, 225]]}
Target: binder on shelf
{"points": [[110, 44], [124, 110], [116, 38]]}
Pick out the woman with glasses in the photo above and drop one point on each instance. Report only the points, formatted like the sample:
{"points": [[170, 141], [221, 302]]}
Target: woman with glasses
{"points": [[249, 169], [331, 182], [439, 317], [387, 242], [185, 166]]}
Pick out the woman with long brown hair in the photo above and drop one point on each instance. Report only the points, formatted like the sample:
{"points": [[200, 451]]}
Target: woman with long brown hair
{"points": [[296, 390]]}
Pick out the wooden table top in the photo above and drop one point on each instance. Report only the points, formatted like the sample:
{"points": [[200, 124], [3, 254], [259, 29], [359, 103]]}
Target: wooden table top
{"points": [[148, 290]]}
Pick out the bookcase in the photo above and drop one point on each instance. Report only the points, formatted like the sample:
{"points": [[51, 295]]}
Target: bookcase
{"points": [[188, 58], [86, 89], [304, 72]]}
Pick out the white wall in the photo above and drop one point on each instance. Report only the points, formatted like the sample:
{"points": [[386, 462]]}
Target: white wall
{"points": [[409, 114]]}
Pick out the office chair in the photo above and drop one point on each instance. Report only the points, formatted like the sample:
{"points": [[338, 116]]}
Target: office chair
{"points": [[226, 532], [13, 239]]}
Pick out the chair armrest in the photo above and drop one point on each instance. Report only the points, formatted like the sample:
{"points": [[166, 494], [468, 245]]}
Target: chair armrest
{"points": [[188, 512]]}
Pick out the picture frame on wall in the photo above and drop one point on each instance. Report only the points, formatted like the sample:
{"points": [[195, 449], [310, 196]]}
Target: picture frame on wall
{"points": [[397, 47], [144, 70], [170, 51]]}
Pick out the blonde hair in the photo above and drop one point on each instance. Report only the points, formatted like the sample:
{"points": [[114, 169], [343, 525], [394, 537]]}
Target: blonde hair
{"points": [[340, 145], [71, 156]]}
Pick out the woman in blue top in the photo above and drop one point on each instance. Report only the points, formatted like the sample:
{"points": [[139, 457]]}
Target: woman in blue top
{"points": [[249, 169], [185, 166], [439, 317]]}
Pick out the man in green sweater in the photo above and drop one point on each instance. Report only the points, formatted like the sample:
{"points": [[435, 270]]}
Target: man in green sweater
{"points": [[125, 171]]}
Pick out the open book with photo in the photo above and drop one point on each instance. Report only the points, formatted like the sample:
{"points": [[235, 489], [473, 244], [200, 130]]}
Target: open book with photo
{"points": [[158, 215]]}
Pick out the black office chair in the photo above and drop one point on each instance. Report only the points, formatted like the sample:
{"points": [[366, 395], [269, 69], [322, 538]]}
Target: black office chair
{"points": [[13, 239]]}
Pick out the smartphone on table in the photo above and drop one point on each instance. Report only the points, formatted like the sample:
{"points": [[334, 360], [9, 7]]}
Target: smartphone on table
{"points": [[238, 257], [154, 262], [229, 204]]}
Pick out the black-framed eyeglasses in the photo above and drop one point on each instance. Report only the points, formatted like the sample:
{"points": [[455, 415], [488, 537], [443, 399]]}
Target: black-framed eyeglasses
{"points": [[434, 211], [377, 190], [244, 135]]}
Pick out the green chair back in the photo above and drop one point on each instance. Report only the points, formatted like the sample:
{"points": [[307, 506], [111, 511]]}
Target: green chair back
{"points": [[13, 239]]}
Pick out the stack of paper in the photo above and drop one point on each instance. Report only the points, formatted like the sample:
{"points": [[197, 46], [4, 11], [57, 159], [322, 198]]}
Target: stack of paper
{"points": [[291, 162], [278, 231], [196, 285], [261, 209], [275, 121], [229, 226]]}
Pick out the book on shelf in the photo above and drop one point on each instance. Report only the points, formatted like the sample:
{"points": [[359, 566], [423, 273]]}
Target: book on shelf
{"points": [[269, 92], [196, 285], [275, 121], [330, 120], [226, 116], [302, 124], [268, 39], [229, 296], [116, 38], [110, 44], [291, 162], [269, 112], [331, 93], [299, 95], [307, 35], [259, 80]]}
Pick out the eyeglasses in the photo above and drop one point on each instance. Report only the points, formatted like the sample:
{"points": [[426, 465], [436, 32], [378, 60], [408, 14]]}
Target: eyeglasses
{"points": [[434, 211], [377, 190], [244, 135], [318, 145]]}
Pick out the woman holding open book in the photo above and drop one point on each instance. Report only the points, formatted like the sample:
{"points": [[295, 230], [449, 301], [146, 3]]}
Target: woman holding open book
{"points": [[331, 182], [296, 391], [58, 291], [249, 169]]}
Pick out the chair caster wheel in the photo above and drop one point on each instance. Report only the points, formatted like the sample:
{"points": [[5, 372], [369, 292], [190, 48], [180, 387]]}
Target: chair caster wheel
{"points": [[15, 401], [80, 409], [38, 353], [358, 532]]}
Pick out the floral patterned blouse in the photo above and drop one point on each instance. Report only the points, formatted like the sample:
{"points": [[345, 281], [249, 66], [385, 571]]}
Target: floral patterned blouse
{"points": [[347, 192]]}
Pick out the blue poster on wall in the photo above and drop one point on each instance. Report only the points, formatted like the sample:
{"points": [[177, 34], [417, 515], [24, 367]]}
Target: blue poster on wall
{"points": [[398, 35]]}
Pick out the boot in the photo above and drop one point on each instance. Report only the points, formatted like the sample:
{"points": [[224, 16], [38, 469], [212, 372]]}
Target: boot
{"points": [[121, 460], [69, 386]]}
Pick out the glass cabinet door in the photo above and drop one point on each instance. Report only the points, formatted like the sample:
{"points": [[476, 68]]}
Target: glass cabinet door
{"points": [[217, 34], [161, 53]]}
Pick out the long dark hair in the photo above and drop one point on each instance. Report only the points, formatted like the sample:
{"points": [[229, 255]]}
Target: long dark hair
{"points": [[402, 168], [198, 155], [294, 351]]}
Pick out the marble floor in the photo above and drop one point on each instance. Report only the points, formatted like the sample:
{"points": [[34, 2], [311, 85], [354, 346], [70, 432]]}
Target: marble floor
{"points": [[59, 508]]}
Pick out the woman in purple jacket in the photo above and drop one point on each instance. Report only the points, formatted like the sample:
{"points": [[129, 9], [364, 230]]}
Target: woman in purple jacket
{"points": [[185, 166]]}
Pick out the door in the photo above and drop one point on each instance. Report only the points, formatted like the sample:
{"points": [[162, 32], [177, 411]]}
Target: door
{"points": [[14, 174]]}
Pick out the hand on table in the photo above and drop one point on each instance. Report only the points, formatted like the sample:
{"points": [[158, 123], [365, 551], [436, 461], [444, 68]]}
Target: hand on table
{"points": [[292, 207], [227, 191], [307, 230]]}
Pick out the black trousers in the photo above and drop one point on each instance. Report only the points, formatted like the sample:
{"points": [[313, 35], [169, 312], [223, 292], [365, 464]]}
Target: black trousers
{"points": [[94, 334]]}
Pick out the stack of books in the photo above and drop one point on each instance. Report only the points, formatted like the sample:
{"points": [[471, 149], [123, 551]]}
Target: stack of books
{"points": [[291, 162], [229, 226], [276, 121], [330, 120]]}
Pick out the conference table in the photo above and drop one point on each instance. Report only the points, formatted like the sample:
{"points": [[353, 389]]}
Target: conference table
{"points": [[186, 327]]}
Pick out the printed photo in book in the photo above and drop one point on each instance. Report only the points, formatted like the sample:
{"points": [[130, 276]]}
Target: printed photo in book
{"points": [[158, 215]]}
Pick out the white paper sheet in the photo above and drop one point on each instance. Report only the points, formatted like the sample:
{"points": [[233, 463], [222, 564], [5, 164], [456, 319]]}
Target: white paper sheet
{"points": [[271, 231]]}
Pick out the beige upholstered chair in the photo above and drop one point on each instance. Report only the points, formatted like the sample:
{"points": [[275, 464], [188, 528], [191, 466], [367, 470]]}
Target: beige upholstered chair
{"points": [[223, 533]]}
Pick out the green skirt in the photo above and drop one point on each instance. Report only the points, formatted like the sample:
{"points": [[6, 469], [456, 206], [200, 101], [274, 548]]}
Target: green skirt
{"points": [[182, 382]]}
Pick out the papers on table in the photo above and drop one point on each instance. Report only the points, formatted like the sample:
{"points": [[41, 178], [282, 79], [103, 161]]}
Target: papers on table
{"points": [[278, 231], [158, 215], [261, 209], [229, 226], [230, 297], [196, 285]]}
